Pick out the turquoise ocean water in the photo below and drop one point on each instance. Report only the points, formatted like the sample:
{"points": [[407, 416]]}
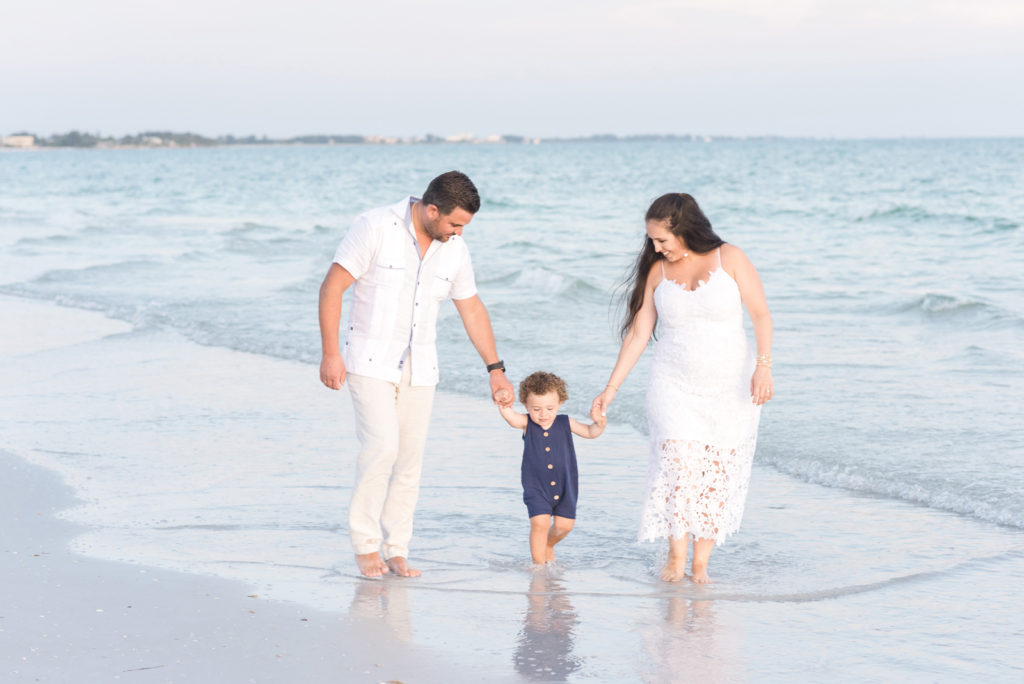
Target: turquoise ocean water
{"points": [[894, 271]]}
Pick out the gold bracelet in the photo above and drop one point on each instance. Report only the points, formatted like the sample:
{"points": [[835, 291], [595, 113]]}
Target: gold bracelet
{"points": [[612, 386], [764, 360]]}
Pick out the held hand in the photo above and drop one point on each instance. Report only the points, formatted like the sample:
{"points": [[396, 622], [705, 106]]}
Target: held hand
{"points": [[602, 401], [501, 390], [761, 389], [332, 371], [597, 417]]}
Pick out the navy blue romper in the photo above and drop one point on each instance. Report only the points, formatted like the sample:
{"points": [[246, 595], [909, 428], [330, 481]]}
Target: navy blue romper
{"points": [[550, 479]]}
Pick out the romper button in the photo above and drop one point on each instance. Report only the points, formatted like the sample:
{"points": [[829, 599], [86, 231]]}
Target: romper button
{"points": [[545, 448], [556, 497], [552, 483], [551, 466], [545, 434]]}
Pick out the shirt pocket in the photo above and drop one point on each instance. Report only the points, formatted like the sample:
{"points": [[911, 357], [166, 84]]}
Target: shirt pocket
{"points": [[388, 276], [441, 287]]}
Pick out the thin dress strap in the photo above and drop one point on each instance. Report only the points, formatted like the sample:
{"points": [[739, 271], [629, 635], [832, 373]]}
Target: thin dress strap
{"points": [[719, 257], [662, 260]]}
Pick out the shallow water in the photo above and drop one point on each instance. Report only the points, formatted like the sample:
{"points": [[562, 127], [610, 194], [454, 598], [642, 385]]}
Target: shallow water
{"points": [[219, 462], [884, 524]]}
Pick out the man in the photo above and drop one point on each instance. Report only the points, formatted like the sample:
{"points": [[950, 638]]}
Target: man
{"points": [[404, 261]]}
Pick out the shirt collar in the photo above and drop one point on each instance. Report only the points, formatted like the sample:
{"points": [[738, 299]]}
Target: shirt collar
{"points": [[403, 210]]}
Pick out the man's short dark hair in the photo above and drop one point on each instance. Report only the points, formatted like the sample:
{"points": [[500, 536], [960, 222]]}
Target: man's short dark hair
{"points": [[451, 190]]}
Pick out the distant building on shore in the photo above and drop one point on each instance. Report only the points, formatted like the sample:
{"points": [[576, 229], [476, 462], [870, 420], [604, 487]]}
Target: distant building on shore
{"points": [[18, 141]]}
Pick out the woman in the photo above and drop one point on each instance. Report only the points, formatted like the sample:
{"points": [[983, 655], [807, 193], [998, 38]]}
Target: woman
{"points": [[705, 390]]}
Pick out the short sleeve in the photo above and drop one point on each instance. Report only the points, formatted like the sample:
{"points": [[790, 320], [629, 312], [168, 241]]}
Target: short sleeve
{"points": [[355, 253], [464, 285]]}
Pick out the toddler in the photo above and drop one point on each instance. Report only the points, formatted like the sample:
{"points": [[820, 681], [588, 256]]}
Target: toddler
{"points": [[549, 460]]}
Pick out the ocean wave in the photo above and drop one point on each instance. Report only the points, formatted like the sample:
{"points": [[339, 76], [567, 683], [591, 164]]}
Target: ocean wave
{"points": [[898, 211], [545, 282], [946, 307], [94, 272], [997, 508], [518, 246], [500, 203], [915, 214], [254, 228], [58, 239]]}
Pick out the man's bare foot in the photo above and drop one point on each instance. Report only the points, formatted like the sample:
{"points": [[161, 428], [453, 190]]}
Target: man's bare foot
{"points": [[700, 574], [401, 568], [371, 564], [673, 570]]}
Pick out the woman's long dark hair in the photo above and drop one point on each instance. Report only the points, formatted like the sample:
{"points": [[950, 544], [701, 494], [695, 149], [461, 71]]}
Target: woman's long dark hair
{"points": [[688, 223]]}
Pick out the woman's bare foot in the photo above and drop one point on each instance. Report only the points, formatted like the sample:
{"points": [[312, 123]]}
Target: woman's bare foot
{"points": [[371, 564], [700, 574], [401, 568], [673, 570]]}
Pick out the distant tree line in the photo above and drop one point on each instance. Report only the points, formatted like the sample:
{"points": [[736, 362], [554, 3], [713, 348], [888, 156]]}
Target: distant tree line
{"points": [[172, 139]]}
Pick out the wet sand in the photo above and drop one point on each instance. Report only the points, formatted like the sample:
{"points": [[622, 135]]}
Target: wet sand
{"points": [[199, 536]]}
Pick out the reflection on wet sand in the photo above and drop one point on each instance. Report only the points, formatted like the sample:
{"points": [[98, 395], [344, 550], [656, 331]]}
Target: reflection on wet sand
{"points": [[385, 602], [683, 642], [544, 646]]}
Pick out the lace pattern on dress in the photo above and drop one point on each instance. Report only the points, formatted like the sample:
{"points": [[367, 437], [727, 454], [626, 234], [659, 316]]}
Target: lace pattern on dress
{"points": [[696, 489]]}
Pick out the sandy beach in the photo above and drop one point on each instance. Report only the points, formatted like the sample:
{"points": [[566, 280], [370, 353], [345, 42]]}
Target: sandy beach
{"points": [[175, 512], [66, 617]]}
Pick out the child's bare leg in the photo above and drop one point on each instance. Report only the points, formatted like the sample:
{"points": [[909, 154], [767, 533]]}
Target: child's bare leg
{"points": [[559, 529], [539, 525], [701, 554], [675, 566]]}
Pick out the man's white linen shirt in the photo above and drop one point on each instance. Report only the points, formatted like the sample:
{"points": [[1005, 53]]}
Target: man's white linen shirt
{"points": [[396, 295]]}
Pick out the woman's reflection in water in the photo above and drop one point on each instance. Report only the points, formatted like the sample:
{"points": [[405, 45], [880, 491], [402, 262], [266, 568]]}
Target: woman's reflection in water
{"points": [[544, 647], [684, 643]]}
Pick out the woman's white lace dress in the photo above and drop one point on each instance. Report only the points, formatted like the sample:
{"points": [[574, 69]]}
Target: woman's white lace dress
{"points": [[703, 424]]}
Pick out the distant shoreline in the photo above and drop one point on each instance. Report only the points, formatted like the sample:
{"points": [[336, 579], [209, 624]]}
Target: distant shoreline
{"points": [[168, 140]]}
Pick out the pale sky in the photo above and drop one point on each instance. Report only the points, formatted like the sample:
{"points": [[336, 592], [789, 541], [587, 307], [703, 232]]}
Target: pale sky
{"points": [[842, 68]]}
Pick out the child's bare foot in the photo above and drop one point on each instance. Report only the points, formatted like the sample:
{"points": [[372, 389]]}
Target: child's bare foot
{"points": [[700, 574], [673, 570], [549, 556], [401, 568], [371, 564]]}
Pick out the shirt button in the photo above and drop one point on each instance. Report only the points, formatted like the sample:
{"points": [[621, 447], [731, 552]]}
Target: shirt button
{"points": [[552, 483], [556, 497], [545, 448], [545, 434], [551, 466]]}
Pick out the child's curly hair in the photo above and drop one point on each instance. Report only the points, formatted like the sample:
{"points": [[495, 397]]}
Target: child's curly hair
{"points": [[540, 383]]}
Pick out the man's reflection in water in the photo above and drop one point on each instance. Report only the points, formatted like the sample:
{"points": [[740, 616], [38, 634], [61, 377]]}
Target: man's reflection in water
{"points": [[684, 643], [384, 602], [544, 646]]}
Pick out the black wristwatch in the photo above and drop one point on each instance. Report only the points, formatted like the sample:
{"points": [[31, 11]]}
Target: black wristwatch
{"points": [[500, 365]]}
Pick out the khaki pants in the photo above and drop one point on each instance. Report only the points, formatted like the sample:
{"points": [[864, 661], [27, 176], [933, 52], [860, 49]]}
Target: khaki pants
{"points": [[391, 423]]}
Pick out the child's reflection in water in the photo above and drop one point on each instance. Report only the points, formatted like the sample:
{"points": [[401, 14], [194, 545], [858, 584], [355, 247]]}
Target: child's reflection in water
{"points": [[544, 647]]}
